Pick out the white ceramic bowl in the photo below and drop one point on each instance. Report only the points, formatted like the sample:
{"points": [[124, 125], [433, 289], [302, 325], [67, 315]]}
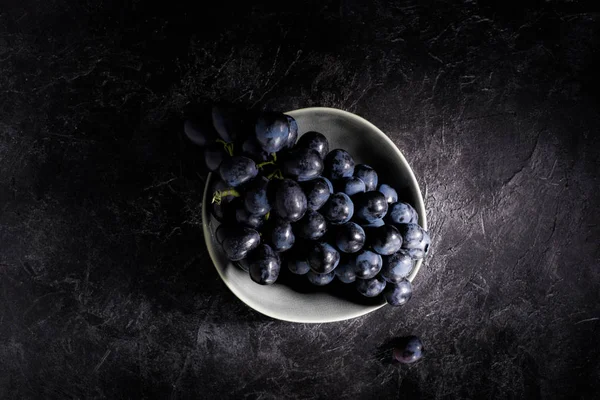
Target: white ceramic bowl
{"points": [[293, 301]]}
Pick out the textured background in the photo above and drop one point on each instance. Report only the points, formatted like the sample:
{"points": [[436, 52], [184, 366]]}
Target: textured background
{"points": [[107, 290]]}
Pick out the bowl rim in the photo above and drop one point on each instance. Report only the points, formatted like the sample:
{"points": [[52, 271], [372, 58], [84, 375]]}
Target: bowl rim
{"points": [[420, 208]]}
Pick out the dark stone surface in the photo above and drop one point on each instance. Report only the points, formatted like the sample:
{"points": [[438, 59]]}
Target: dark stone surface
{"points": [[107, 290]]}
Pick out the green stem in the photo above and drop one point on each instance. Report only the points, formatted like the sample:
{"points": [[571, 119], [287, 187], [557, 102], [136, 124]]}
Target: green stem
{"points": [[220, 194], [227, 146], [275, 174], [262, 164]]}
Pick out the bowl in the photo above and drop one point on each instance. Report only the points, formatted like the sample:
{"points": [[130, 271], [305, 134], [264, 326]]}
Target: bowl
{"points": [[295, 300]]}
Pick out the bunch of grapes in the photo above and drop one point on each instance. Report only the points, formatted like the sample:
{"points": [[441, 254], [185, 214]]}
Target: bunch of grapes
{"points": [[288, 201]]}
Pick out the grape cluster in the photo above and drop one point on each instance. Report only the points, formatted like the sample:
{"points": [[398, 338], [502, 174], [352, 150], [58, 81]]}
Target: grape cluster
{"points": [[284, 201]]}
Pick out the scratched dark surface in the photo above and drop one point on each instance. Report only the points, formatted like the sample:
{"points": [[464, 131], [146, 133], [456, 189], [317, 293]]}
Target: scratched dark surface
{"points": [[107, 290]]}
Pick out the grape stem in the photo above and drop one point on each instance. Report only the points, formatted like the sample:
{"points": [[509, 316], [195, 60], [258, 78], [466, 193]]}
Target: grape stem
{"points": [[275, 174], [227, 146], [220, 194], [262, 164]]}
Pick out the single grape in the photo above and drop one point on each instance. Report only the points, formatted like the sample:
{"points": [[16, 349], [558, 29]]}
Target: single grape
{"points": [[370, 287], [385, 240], [312, 226], [317, 192], [293, 134], [396, 267], [250, 220], [368, 175], [320, 279], [409, 350], [391, 196], [323, 258], [338, 164], [298, 267], [290, 202], [316, 141], [415, 240], [199, 131], [338, 209], [398, 294], [351, 185], [272, 131], [369, 206], [302, 165], [255, 196], [228, 122], [239, 242], [367, 264], [350, 237], [401, 213], [264, 265], [346, 269], [278, 233], [237, 170]]}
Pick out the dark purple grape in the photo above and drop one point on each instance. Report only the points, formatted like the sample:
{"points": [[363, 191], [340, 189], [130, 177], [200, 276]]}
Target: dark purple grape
{"points": [[199, 132], [368, 175], [302, 165], [370, 287], [350, 237], [338, 209], [369, 206], [237, 170], [401, 213], [214, 154], [239, 242], [391, 196], [409, 350], [346, 269], [367, 264], [264, 265], [323, 258], [415, 240], [320, 279], [317, 192], [338, 164], [290, 202], [278, 233], [316, 141], [398, 294], [312, 226], [293, 134], [250, 220], [385, 240], [255, 196], [396, 267], [229, 123], [272, 131], [350, 186]]}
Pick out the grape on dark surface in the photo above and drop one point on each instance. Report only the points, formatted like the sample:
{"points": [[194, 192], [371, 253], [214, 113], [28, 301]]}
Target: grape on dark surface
{"points": [[320, 279], [351, 185], [398, 294], [228, 122], [338, 164], [323, 258], [339, 209], [250, 220], [391, 196], [302, 165], [317, 192], [367, 175], [264, 265], [346, 269], [237, 170], [239, 242], [278, 233], [385, 240], [255, 196], [311, 226], [251, 149], [396, 267], [401, 213], [409, 350], [293, 133], [316, 141], [370, 287], [369, 206], [290, 201], [214, 154], [367, 264], [415, 240], [199, 131], [350, 237], [272, 131]]}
